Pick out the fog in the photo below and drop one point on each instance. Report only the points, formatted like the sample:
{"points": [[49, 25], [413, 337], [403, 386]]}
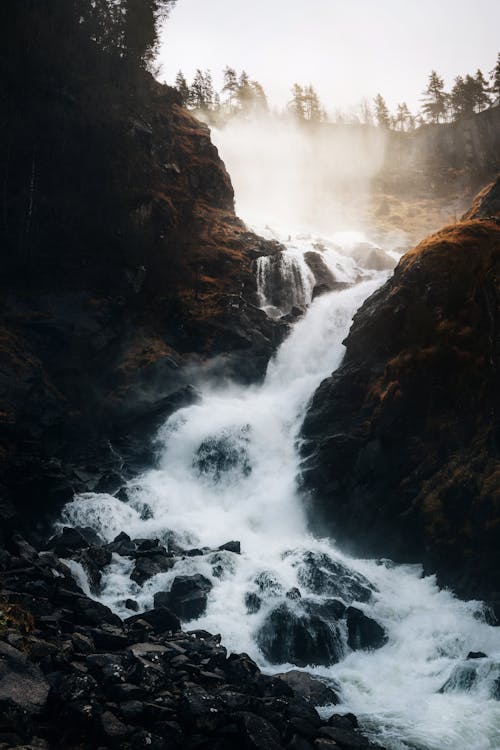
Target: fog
{"points": [[293, 177]]}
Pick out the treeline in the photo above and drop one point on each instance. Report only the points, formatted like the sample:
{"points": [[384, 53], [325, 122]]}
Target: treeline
{"points": [[242, 96]]}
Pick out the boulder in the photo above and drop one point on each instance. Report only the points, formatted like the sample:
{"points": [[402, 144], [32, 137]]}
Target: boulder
{"points": [[314, 690], [22, 683], [289, 635], [363, 632], [187, 597], [160, 619], [320, 574]]}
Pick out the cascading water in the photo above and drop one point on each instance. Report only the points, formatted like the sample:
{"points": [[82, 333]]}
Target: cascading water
{"points": [[227, 469]]}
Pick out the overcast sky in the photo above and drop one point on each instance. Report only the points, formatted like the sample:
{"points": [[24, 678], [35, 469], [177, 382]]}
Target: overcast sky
{"points": [[349, 49]]}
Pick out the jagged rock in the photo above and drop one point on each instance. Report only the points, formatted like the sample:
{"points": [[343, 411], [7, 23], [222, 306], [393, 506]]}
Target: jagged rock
{"points": [[311, 688], [380, 476], [22, 683], [372, 257], [149, 565], [364, 633], [187, 596], [321, 575], [160, 618], [291, 636], [231, 547], [75, 538], [253, 602]]}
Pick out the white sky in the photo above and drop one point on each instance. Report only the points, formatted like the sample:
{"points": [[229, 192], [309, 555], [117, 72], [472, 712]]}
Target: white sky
{"points": [[349, 49]]}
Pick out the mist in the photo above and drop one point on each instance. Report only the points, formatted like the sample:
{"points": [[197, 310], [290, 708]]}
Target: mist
{"points": [[292, 177]]}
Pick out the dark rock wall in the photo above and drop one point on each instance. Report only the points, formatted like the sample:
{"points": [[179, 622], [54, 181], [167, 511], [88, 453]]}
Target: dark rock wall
{"points": [[401, 443]]}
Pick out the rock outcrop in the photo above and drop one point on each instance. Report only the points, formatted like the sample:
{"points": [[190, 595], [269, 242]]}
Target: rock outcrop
{"points": [[73, 675], [97, 351], [401, 443]]}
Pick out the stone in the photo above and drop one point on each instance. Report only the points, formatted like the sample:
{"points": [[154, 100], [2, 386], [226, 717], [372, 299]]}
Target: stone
{"points": [[21, 681], [231, 547], [75, 538], [259, 734], [150, 565], [320, 574], [298, 638], [187, 597], [363, 632], [314, 690], [160, 619]]}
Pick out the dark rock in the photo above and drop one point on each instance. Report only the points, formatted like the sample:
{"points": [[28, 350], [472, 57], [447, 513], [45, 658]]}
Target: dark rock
{"points": [[462, 678], [476, 655], [253, 602], [91, 612], [321, 575], [380, 477], [343, 721], [347, 739], [21, 682], [231, 547], [258, 733], [293, 594], [75, 538], [290, 636], [187, 597], [217, 456], [311, 688], [160, 619], [113, 729], [364, 633], [150, 565], [324, 279], [131, 604]]}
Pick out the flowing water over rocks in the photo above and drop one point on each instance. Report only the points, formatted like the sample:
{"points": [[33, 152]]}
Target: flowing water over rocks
{"points": [[393, 645]]}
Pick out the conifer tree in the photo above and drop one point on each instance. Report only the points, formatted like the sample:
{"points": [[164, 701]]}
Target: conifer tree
{"points": [[436, 100], [482, 91], [182, 87], [495, 78], [230, 87], [297, 104], [381, 112]]}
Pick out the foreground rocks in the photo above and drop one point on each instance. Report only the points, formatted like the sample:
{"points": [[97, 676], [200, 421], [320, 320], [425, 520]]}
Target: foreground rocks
{"points": [[73, 675], [401, 443]]}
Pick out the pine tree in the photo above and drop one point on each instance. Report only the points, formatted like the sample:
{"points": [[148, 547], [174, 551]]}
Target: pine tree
{"points": [[381, 112], [403, 117], [182, 87], [495, 78], [464, 96], [230, 87], [365, 112], [297, 104], [436, 100], [259, 97], [244, 93], [312, 105], [482, 91]]}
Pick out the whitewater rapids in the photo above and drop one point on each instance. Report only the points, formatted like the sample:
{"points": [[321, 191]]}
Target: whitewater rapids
{"points": [[254, 499]]}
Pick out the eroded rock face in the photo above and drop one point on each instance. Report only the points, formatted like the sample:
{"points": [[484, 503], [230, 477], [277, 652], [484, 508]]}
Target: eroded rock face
{"points": [[401, 442]]}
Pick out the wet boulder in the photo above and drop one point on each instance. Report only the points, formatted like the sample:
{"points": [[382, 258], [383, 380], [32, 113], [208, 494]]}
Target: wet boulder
{"points": [[223, 454], [150, 563], [320, 574], [363, 632], [291, 635], [160, 619], [74, 538], [313, 690], [187, 598], [462, 679]]}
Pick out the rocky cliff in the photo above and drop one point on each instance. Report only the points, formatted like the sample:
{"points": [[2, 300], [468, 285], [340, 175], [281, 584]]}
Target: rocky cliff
{"points": [[401, 444], [102, 335]]}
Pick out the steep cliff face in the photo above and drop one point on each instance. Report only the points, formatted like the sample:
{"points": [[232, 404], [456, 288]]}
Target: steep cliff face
{"points": [[98, 344], [401, 444]]}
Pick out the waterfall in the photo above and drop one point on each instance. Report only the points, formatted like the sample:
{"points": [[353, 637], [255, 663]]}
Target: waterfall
{"points": [[227, 470]]}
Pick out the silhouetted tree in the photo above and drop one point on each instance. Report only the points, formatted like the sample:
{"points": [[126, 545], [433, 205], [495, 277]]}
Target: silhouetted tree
{"points": [[482, 91], [381, 112], [182, 87], [297, 105], [495, 78], [230, 87], [436, 100]]}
